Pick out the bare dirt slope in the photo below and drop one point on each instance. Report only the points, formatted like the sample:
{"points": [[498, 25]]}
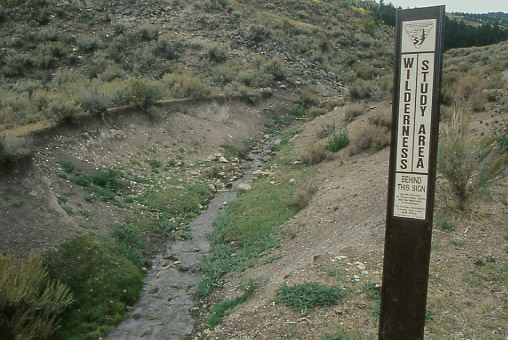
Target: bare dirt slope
{"points": [[338, 240], [41, 206]]}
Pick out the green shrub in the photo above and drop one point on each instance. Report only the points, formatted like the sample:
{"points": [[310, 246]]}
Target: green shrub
{"points": [[62, 108], [338, 141], [88, 43], [360, 89], [257, 34], [148, 32], [217, 54], [276, 68], [298, 110], [167, 47], [500, 131], [104, 282], [144, 94], [464, 161], [16, 64], [306, 296], [255, 78], [30, 302], [94, 99]]}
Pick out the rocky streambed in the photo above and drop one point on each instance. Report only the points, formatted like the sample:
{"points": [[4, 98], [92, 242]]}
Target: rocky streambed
{"points": [[164, 308]]}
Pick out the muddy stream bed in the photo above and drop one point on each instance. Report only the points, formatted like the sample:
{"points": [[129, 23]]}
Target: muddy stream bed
{"points": [[163, 310]]}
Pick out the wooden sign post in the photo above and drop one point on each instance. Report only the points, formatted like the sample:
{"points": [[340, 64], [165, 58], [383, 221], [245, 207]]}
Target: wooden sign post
{"points": [[412, 174]]}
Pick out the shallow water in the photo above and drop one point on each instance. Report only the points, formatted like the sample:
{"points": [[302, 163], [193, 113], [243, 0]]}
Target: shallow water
{"points": [[163, 310]]}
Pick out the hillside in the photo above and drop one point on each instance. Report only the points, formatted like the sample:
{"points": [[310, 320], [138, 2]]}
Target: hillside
{"points": [[120, 120]]}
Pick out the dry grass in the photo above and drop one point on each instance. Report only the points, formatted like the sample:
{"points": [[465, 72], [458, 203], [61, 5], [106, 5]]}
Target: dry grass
{"points": [[314, 153], [369, 137]]}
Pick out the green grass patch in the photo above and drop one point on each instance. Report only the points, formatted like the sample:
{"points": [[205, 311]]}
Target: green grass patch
{"points": [[338, 141], [103, 282], [221, 310], [104, 185], [177, 198], [306, 296], [248, 228]]}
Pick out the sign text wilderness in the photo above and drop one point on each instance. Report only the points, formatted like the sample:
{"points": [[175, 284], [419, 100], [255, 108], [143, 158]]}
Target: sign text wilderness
{"points": [[412, 175], [414, 121]]}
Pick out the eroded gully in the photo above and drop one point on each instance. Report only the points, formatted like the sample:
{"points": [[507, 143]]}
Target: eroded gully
{"points": [[163, 310]]}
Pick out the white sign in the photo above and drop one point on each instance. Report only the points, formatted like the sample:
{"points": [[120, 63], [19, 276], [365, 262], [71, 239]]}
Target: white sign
{"points": [[414, 117]]}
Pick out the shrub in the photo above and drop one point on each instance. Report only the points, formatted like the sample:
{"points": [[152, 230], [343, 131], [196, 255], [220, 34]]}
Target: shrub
{"points": [[381, 118], [88, 43], [276, 68], [500, 131], [112, 72], [30, 301], [369, 137], [353, 112], [185, 86], [314, 154], [94, 99], [338, 141], [17, 64], [309, 98], [298, 110], [167, 48], [306, 296], [144, 94], [148, 32], [301, 198], [360, 89], [255, 78], [464, 161], [217, 54], [62, 108], [257, 34]]}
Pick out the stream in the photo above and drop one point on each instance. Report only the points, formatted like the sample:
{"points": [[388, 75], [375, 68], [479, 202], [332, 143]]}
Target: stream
{"points": [[163, 310]]}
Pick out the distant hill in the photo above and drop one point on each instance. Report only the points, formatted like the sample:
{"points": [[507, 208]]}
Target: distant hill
{"points": [[498, 15]]}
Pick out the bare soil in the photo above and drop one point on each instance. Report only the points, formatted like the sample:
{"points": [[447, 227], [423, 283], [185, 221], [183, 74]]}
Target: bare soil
{"points": [[337, 239]]}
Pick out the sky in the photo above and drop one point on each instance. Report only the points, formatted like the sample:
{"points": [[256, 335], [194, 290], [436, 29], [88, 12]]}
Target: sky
{"points": [[465, 6]]}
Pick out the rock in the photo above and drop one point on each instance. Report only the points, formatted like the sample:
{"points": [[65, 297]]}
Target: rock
{"points": [[170, 257], [277, 142], [148, 331], [223, 160], [164, 262], [153, 289], [244, 187], [212, 187], [135, 316]]}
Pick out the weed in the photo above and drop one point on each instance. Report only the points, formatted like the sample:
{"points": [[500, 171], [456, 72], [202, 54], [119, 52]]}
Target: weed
{"points": [[464, 162], [18, 204], [129, 241], [339, 335], [31, 302], [105, 185], [298, 110], [447, 225], [222, 309], [67, 166], [338, 141], [306, 296]]}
